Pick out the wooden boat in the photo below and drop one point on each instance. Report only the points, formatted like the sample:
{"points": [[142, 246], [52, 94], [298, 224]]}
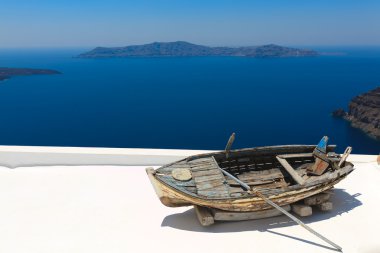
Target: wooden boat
{"points": [[283, 174]]}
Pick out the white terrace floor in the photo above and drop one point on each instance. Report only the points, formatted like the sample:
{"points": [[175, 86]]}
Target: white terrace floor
{"points": [[114, 209]]}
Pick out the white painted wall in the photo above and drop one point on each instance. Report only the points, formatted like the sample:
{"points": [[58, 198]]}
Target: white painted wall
{"points": [[27, 156]]}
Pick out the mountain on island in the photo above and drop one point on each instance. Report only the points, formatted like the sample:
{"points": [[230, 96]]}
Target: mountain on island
{"points": [[364, 113], [6, 73], [182, 48]]}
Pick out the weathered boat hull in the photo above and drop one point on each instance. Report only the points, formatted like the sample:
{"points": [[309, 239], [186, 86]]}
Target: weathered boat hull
{"points": [[228, 180], [171, 197]]}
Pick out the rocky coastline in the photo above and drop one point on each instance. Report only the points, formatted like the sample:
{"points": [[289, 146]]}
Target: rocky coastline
{"points": [[364, 113]]}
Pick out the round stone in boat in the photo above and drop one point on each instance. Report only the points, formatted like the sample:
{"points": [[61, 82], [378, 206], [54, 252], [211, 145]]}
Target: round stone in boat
{"points": [[181, 174]]}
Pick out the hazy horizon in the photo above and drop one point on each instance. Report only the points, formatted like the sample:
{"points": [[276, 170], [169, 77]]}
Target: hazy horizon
{"points": [[83, 47], [60, 24]]}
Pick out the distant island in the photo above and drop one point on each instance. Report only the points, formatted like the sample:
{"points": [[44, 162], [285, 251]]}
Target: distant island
{"points": [[6, 73], [182, 48], [364, 113]]}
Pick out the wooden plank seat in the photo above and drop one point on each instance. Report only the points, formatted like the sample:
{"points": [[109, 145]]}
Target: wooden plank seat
{"points": [[271, 178], [209, 180]]}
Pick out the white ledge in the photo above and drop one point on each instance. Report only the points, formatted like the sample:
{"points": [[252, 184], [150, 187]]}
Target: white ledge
{"points": [[26, 156]]}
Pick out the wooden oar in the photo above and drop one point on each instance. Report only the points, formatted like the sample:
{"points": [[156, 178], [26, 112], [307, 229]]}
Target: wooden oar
{"points": [[229, 144], [256, 192]]}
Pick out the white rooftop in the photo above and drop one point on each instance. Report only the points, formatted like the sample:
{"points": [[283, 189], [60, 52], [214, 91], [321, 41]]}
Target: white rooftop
{"points": [[115, 209]]}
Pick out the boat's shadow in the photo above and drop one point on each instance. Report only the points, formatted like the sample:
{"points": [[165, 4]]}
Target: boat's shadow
{"points": [[342, 202]]}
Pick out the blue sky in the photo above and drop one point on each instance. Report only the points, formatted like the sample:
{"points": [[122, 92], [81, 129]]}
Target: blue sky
{"points": [[88, 23]]}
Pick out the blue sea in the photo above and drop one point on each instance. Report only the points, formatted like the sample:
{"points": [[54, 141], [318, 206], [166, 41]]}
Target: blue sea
{"points": [[184, 102]]}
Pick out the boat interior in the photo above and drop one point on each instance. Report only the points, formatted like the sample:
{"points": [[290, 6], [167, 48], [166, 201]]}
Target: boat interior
{"points": [[258, 167]]}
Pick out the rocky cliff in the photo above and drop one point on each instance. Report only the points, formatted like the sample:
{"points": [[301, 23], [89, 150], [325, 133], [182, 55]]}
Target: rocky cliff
{"points": [[364, 113]]}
